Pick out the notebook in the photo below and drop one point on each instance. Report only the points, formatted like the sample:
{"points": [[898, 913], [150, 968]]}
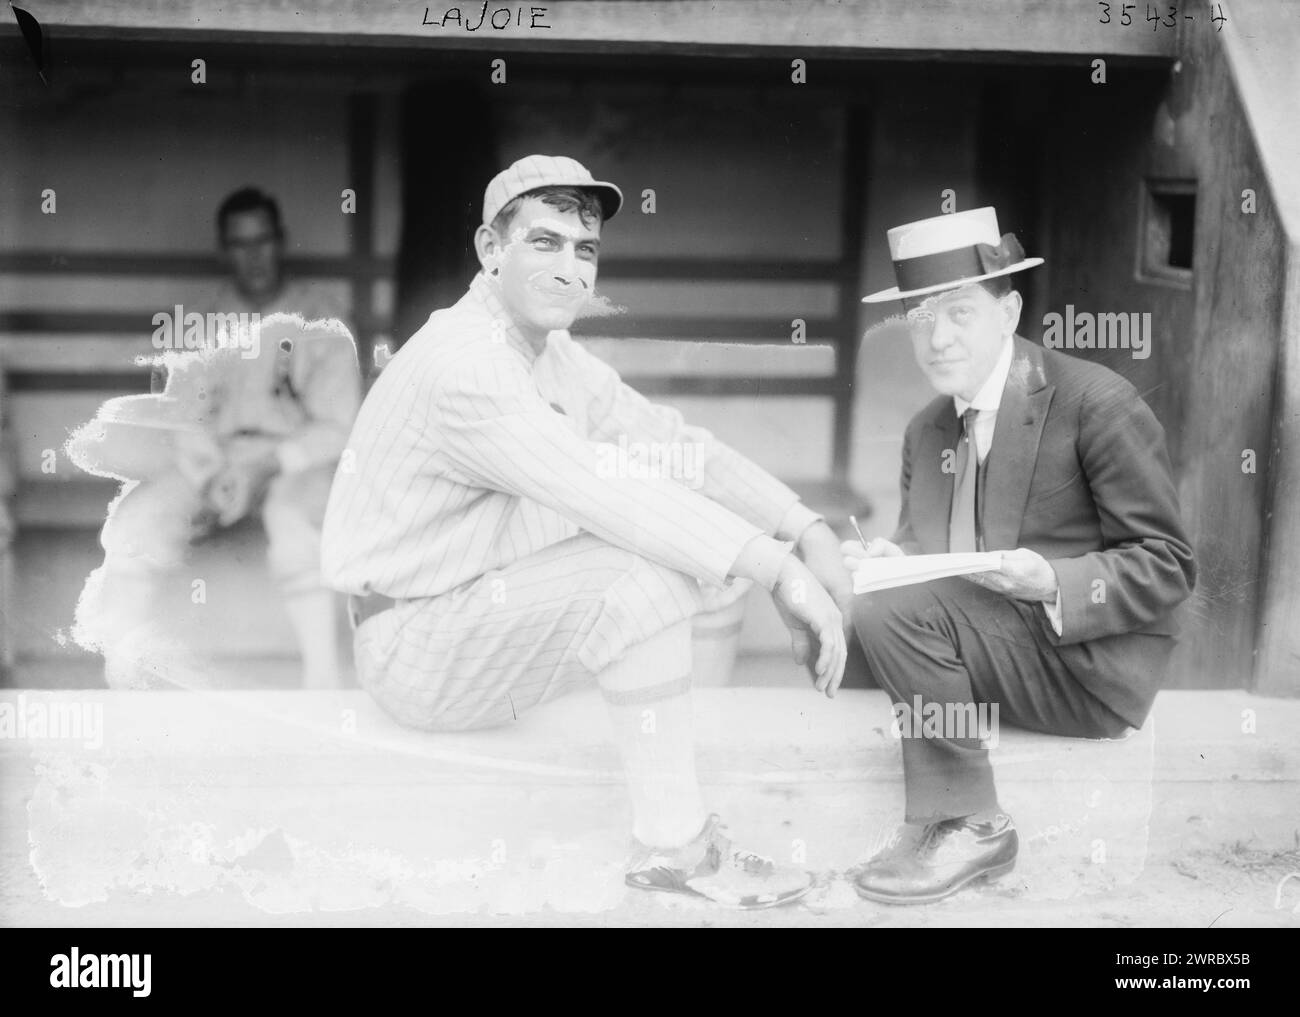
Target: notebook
{"points": [[885, 573]]}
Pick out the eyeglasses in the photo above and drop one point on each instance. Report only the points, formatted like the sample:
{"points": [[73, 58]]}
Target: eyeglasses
{"points": [[251, 243], [920, 321]]}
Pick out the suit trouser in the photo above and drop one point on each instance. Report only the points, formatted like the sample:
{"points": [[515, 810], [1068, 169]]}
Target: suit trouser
{"points": [[953, 642]]}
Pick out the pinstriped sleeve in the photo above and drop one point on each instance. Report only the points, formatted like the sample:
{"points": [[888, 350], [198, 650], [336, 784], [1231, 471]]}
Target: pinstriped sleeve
{"points": [[493, 429]]}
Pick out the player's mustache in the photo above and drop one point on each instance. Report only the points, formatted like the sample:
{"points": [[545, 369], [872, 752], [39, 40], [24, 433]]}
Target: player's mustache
{"points": [[597, 305], [558, 286]]}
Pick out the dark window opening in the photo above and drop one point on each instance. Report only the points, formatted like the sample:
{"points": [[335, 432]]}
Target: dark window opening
{"points": [[1169, 229], [1180, 210]]}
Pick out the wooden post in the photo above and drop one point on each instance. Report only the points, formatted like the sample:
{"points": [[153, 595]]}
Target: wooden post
{"points": [[853, 188], [1277, 643], [8, 481], [361, 178]]}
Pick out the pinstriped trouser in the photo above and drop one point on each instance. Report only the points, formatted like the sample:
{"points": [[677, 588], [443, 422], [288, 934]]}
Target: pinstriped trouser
{"points": [[513, 638]]}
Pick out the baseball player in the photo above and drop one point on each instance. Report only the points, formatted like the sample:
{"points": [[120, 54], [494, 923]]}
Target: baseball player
{"points": [[251, 237], [501, 547], [255, 423]]}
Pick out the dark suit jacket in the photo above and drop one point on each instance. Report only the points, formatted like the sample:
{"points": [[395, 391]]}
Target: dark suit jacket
{"points": [[1078, 471]]}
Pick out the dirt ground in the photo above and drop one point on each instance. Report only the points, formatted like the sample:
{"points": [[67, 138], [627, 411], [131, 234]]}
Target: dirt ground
{"points": [[298, 809]]}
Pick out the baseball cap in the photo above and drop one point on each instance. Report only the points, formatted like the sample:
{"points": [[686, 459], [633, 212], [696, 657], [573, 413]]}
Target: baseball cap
{"points": [[533, 171]]}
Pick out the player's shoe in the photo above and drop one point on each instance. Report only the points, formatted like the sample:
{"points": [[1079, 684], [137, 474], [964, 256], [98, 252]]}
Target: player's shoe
{"points": [[710, 867]]}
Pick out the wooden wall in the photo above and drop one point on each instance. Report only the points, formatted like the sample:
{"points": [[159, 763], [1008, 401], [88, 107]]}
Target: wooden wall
{"points": [[1265, 78], [138, 158], [1233, 397], [701, 27], [1210, 375]]}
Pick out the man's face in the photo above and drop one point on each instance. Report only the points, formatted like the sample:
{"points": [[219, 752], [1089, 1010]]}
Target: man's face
{"points": [[252, 249], [957, 336], [546, 266]]}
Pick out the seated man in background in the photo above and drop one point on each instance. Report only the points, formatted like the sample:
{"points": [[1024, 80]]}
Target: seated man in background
{"points": [[1058, 463], [255, 414], [251, 238]]}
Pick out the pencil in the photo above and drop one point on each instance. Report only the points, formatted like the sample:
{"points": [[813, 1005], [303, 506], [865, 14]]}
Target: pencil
{"points": [[858, 531]]}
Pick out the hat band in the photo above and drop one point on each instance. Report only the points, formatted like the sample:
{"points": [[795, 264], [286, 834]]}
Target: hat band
{"points": [[936, 269], [954, 266]]}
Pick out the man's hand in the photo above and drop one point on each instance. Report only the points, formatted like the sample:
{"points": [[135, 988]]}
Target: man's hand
{"points": [[820, 550], [815, 624], [855, 553], [1025, 575]]}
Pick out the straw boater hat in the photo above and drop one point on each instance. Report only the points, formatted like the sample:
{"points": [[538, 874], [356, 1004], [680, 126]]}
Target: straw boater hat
{"points": [[949, 251]]}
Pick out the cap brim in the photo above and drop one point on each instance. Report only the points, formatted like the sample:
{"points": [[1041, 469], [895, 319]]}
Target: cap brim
{"points": [[611, 198], [894, 293]]}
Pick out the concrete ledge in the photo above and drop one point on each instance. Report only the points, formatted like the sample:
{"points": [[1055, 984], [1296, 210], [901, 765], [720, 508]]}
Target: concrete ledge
{"points": [[245, 806]]}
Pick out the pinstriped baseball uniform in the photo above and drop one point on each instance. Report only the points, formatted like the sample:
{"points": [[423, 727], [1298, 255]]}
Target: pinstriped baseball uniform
{"points": [[477, 491]]}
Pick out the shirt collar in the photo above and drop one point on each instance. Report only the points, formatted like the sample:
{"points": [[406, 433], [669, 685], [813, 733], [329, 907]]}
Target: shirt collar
{"points": [[989, 397], [485, 291]]}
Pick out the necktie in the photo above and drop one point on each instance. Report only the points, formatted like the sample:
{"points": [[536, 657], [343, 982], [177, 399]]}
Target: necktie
{"points": [[961, 519]]}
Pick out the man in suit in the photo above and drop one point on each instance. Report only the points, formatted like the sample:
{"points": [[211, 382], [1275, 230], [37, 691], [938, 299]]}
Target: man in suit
{"points": [[1058, 463]]}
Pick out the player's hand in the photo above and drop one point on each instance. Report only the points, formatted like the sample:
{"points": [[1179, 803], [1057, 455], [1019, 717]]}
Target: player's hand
{"points": [[855, 553], [241, 481], [231, 494], [198, 457], [1024, 575], [819, 549], [815, 623]]}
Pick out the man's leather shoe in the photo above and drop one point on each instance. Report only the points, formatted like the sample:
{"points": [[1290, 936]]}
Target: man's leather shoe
{"points": [[947, 856]]}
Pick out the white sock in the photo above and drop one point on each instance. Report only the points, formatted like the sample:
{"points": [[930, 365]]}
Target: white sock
{"points": [[649, 700], [312, 616]]}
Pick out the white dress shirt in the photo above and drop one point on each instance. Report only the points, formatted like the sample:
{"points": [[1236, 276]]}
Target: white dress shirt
{"points": [[986, 403], [987, 400]]}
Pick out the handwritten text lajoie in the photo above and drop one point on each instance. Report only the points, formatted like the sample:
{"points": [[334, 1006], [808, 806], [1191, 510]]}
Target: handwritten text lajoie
{"points": [[499, 18]]}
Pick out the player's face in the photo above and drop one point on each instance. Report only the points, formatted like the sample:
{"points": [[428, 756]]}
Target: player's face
{"points": [[252, 248], [958, 335], [547, 266]]}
